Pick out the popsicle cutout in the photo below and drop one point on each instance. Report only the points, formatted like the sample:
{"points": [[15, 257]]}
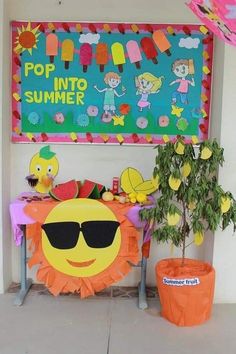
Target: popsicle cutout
{"points": [[205, 55], [31, 137], [120, 138], [149, 49], [51, 46], [162, 42], [102, 55], [16, 114], [148, 137], [107, 28], [118, 55], [135, 28], [134, 53], [135, 138], [204, 113], [149, 28], [165, 138], [195, 139], [66, 27], [79, 28], [67, 52], [17, 131], [207, 40], [17, 61], [51, 27], [44, 137], [170, 30], [92, 28], [17, 79], [206, 70], [40, 27], [16, 96], [121, 28], [203, 128], [204, 97], [205, 84], [104, 137], [73, 137], [203, 29], [85, 56], [89, 137], [187, 30]]}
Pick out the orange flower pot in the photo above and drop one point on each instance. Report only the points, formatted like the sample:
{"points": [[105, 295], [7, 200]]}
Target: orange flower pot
{"points": [[186, 292]]}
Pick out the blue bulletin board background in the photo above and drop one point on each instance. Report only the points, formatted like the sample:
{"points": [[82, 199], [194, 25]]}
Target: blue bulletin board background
{"points": [[131, 113]]}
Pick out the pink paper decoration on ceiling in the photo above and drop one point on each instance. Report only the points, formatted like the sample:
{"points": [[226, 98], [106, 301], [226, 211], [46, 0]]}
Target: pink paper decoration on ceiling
{"points": [[219, 16]]}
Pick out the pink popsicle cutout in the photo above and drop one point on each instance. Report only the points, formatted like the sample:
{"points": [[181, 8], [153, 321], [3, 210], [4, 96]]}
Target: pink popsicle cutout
{"points": [[134, 53], [149, 49], [86, 54], [102, 55], [161, 42], [51, 46]]}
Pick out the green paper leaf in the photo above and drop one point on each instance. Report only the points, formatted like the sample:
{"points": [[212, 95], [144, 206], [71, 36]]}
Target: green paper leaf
{"points": [[45, 153]]}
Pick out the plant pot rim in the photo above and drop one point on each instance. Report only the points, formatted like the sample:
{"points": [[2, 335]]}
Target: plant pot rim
{"points": [[189, 261]]}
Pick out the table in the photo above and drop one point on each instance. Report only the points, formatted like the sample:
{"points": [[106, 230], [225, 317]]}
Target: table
{"points": [[20, 220]]}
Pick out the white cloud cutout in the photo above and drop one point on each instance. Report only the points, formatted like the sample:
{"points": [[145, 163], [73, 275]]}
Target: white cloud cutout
{"points": [[91, 38], [189, 43]]}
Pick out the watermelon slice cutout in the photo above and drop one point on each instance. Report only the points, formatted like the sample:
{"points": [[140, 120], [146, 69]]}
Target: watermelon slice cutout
{"points": [[91, 190], [65, 191]]}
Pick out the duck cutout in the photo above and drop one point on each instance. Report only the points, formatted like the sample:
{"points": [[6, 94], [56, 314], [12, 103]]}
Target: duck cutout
{"points": [[43, 168]]}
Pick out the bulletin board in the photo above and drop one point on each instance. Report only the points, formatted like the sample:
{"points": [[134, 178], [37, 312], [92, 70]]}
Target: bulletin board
{"points": [[112, 83]]}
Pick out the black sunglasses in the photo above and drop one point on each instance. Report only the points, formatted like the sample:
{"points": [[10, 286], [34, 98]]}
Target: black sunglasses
{"points": [[97, 234]]}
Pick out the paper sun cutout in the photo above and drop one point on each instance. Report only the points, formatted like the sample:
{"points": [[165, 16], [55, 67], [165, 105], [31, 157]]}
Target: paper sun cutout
{"points": [[26, 39]]}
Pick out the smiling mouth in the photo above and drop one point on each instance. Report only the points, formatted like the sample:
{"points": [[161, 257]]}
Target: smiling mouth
{"points": [[81, 264]]}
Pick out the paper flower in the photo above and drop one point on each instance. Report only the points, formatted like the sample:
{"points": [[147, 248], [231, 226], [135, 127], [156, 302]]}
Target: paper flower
{"points": [[124, 108], [83, 120], [164, 121], [142, 122], [176, 111], [34, 118], [182, 124], [92, 111], [119, 120], [59, 118]]}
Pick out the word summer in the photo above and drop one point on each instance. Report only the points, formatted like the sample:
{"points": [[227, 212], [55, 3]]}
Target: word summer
{"points": [[68, 90], [181, 282]]}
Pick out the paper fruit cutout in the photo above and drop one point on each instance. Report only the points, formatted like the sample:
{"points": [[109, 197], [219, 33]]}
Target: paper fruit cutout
{"points": [[65, 191], [174, 183], [81, 245], [205, 153], [90, 189], [225, 204], [131, 181], [43, 168]]}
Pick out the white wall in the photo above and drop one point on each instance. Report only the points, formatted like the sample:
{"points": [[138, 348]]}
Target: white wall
{"points": [[101, 163], [5, 239]]}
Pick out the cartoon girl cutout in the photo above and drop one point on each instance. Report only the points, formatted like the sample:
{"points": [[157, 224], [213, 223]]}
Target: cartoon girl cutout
{"points": [[181, 68], [147, 84], [112, 80]]}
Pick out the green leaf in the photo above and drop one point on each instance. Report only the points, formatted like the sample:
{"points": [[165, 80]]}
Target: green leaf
{"points": [[45, 153]]}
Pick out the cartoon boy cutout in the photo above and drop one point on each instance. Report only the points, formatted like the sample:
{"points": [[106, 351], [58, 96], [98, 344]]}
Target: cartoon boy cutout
{"points": [[112, 80], [181, 69], [147, 84]]}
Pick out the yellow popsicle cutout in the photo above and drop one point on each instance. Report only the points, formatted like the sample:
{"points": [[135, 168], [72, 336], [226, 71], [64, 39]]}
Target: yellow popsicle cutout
{"points": [[206, 70], [104, 137], [149, 138], [73, 137], [165, 138], [195, 139], [120, 138], [118, 55], [16, 96], [67, 52], [203, 29]]}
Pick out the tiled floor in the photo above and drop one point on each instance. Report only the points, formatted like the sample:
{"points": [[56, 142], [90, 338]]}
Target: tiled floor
{"points": [[106, 325]]}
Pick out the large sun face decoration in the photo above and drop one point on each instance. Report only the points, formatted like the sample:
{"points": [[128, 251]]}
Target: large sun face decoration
{"points": [[82, 245], [26, 39]]}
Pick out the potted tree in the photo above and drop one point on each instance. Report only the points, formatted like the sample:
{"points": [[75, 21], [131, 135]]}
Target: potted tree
{"points": [[190, 202]]}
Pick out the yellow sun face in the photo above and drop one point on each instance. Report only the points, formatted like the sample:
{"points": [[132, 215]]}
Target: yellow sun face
{"points": [[26, 39], [81, 243]]}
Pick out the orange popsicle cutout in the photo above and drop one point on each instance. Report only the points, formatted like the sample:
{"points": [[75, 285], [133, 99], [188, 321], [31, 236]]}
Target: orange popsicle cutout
{"points": [[118, 55], [161, 42], [149, 49], [102, 55], [67, 52], [51, 46], [134, 53]]}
